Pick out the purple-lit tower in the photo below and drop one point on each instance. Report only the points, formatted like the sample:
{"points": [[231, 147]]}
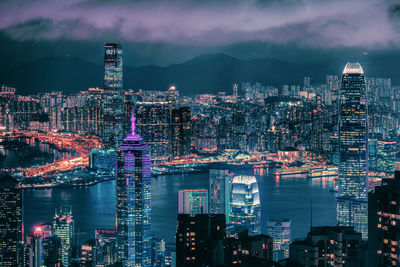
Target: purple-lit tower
{"points": [[133, 201]]}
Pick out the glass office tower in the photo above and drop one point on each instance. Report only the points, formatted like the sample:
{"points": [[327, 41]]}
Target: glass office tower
{"points": [[113, 96], [133, 201], [352, 200], [245, 210], [113, 67]]}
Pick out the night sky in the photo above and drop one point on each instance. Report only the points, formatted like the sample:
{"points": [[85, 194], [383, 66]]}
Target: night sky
{"points": [[173, 31]]}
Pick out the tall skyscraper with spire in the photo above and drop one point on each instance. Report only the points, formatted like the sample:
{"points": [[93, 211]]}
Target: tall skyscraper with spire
{"points": [[113, 96], [352, 201], [133, 201]]}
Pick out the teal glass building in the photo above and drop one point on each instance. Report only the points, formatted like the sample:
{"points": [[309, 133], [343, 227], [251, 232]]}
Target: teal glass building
{"points": [[352, 201]]}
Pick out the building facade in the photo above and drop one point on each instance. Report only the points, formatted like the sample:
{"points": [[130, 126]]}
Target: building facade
{"points": [[200, 240], [153, 124], [352, 201], [193, 202], [63, 228], [384, 223], [280, 231], [105, 247], [328, 246], [180, 131], [219, 192], [11, 222]]}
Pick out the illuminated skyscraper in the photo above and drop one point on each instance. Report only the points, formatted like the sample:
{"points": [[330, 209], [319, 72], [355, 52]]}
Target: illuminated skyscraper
{"points": [[193, 202], [171, 95], [245, 209], [307, 82], [63, 228], [235, 89], [219, 192], [180, 131], [11, 222], [386, 156], [113, 96], [36, 249], [113, 67], [133, 201], [352, 200]]}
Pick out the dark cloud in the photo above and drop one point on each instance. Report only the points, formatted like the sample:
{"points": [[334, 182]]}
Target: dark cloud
{"points": [[394, 10], [190, 22], [165, 32]]}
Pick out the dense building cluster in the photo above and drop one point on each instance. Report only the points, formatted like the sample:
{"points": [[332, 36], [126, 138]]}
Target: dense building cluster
{"points": [[348, 124]]}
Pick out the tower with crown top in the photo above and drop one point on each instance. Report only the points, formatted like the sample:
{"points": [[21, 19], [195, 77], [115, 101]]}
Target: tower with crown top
{"points": [[133, 201]]}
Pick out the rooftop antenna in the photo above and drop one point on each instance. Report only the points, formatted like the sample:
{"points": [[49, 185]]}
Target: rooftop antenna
{"points": [[311, 216], [133, 120]]}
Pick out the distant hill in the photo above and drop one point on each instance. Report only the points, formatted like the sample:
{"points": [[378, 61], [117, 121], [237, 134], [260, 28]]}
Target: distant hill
{"points": [[208, 73], [50, 74]]}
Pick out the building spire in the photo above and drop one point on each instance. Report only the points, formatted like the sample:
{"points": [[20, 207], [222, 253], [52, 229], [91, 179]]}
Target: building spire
{"points": [[133, 136], [133, 120]]}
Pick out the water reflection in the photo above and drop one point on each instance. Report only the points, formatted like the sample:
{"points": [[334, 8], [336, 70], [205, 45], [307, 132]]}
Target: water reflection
{"points": [[94, 207]]}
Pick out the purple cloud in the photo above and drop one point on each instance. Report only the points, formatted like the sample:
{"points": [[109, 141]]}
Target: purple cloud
{"points": [[315, 23]]}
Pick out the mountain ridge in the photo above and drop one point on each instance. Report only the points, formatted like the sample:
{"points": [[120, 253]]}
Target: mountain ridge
{"points": [[206, 73]]}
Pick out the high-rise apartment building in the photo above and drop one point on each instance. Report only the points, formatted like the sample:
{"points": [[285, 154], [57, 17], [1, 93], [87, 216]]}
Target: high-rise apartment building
{"points": [[245, 250], [328, 246], [193, 202], [63, 228], [105, 247], [153, 124], [180, 131], [384, 223], [279, 230], [52, 251], [11, 222], [219, 192], [133, 201], [235, 90], [352, 200], [307, 82], [200, 240]]}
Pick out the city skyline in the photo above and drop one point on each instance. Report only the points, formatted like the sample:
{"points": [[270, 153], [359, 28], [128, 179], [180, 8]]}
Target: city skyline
{"points": [[181, 132], [216, 133]]}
